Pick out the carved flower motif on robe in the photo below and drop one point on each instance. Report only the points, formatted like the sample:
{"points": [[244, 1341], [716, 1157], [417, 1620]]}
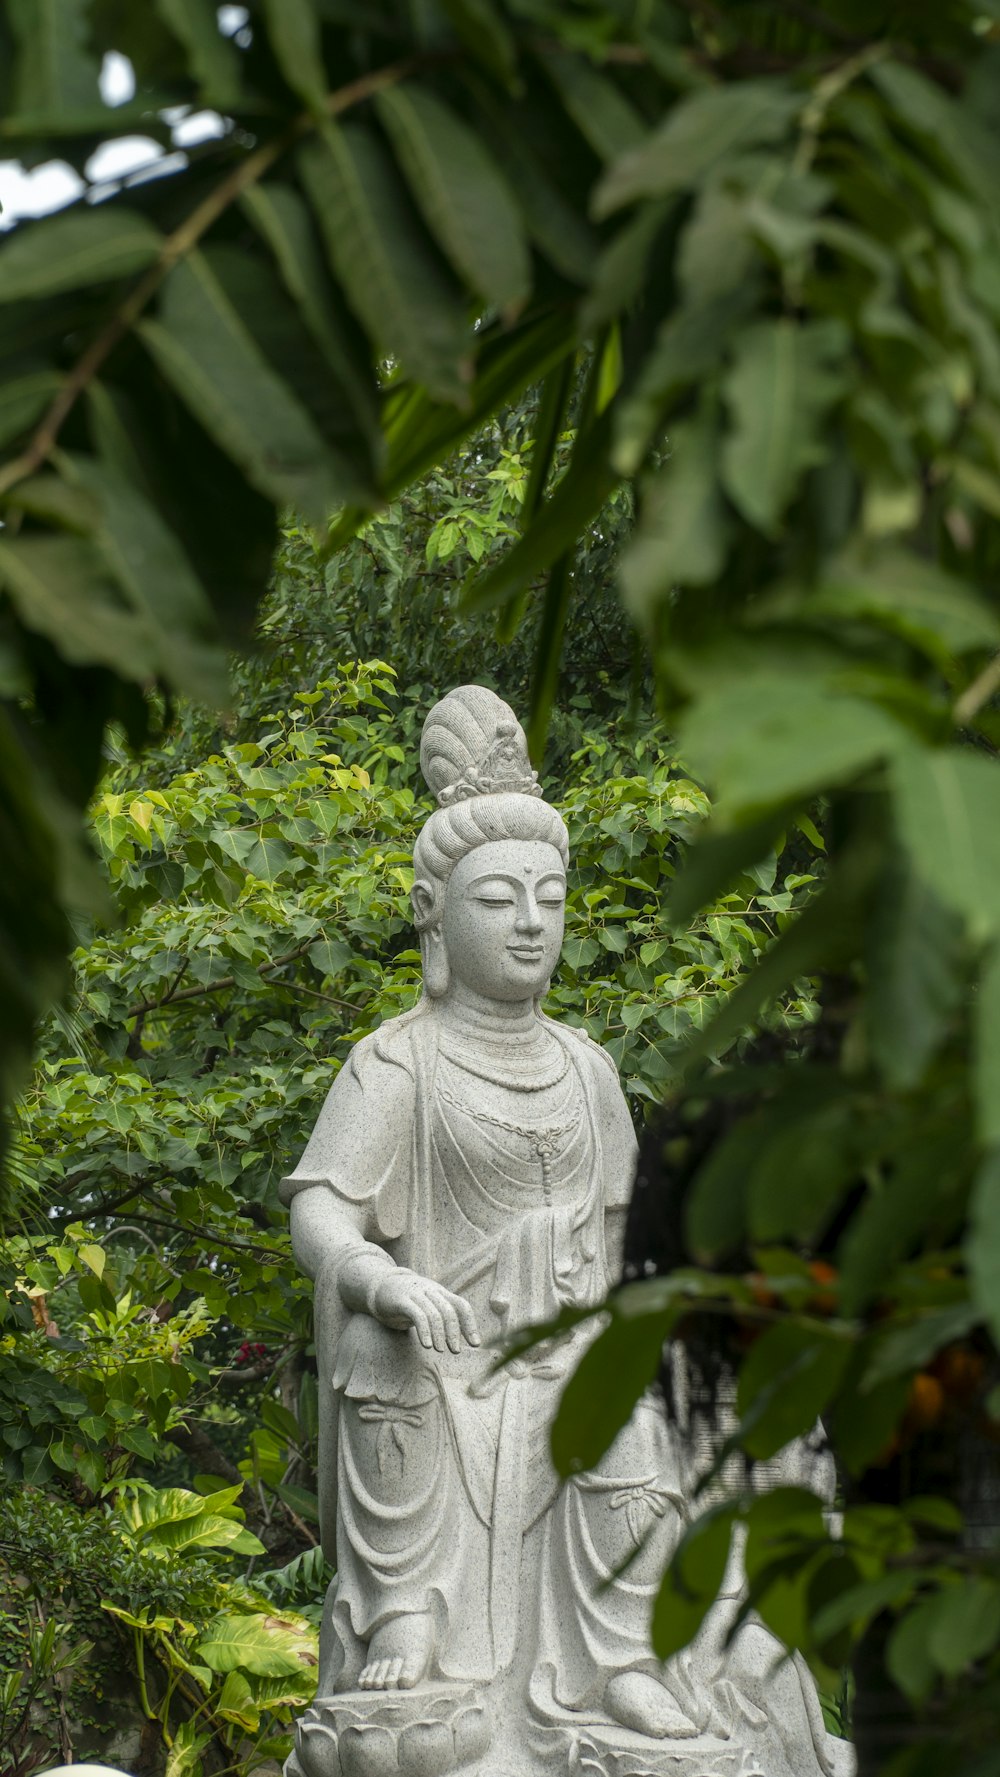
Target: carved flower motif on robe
{"points": [[641, 1502]]}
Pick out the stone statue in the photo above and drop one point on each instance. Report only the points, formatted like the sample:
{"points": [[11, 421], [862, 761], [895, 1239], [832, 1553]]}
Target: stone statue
{"points": [[468, 1176]]}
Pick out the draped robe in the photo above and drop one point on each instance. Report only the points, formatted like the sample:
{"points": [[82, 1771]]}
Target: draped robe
{"points": [[505, 1184]]}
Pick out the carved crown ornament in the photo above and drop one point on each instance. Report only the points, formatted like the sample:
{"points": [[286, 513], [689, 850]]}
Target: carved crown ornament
{"points": [[505, 766]]}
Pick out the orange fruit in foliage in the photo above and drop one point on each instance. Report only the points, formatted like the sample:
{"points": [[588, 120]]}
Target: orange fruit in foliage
{"points": [[825, 1300], [762, 1295], [926, 1402], [959, 1371]]}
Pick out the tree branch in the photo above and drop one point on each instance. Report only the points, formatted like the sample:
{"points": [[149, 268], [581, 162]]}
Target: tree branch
{"points": [[176, 246], [983, 687], [173, 998]]}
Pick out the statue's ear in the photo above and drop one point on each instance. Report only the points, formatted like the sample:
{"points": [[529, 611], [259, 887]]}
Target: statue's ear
{"points": [[423, 899]]}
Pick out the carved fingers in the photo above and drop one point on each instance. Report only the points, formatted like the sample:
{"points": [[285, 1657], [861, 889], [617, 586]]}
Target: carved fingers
{"points": [[438, 1317]]}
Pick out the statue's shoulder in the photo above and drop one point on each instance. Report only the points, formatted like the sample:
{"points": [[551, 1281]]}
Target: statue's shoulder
{"points": [[597, 1059], [390, 1047]]}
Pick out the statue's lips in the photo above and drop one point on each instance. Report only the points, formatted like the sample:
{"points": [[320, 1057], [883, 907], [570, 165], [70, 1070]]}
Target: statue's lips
{"points": [[528, 953]]}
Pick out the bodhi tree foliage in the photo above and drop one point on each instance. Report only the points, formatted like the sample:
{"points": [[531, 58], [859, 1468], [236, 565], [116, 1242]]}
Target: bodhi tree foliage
{"points": [[752, 256], [157, 1381]]}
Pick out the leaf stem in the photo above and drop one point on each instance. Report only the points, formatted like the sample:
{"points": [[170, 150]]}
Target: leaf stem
{"points": [[176, 246], [979, 692]]}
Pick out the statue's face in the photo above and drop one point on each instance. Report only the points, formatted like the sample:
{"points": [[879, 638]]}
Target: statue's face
{"points": [[503, 918]]}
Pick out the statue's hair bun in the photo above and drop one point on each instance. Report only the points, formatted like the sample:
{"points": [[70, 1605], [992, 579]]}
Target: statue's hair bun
{"points": [[473, 745]]}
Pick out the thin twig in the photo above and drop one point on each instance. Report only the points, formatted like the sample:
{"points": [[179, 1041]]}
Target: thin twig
{"points": [[983, 687], [224, 982], [176, 246]]}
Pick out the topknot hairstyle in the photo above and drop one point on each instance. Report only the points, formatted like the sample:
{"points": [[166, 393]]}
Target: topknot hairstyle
{"points": [[474, 757]]}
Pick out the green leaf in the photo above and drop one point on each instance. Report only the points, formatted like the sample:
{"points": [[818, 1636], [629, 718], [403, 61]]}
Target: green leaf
{"points": [[268, 858], [270, 1645], [294, 30], [465, 200], [617, 278], [784, 379], [966, 1624], [184, 1757], [55, 70], [785, 1529], [947, 126], [281, 333], [908, 1659], [481, 30], [331, 956], [580, 494], [910, 1347], [986, 1050], [612, 1375], [927, 1180], [81, 246], [982, 1243], [683, 530], [915, 599], [745, 739], [23, 400], [602, 114], [786, 1382], [693, 1580], [947, 809], [688, 346], [203, 349], [912, 955], [149, 565], [214, 62], [61, 589], [283, 218], [702, 132], [389, 271]]}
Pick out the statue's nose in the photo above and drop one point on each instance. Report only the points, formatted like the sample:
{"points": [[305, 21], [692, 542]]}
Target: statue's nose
{"points": [[529, 919]]}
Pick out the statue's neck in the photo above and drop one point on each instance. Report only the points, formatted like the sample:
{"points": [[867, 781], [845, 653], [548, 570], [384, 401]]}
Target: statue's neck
{"points": [[472, 1013]]}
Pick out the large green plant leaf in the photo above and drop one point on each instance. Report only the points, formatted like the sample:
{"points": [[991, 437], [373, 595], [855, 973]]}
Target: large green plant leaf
{"points": [[294, 30], [283, 218], [149, 565], [683, 530], [689, 345], [784, 379], [55, 69], [745, 738], [82, 247], [61, 588], [203, 349], [213, 61], [703, 131], [465, 200], [693, 1579], [268, 1644], [947, 806], [912, 953], [982, 1244], [392, 277], [603, 115]]}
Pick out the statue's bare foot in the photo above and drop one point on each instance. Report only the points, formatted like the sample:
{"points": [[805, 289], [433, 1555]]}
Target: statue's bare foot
{"points": [[399, 1654], [639, 1701]]}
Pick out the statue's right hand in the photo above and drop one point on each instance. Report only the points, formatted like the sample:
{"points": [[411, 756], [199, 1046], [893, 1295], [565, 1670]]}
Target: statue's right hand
{"points": [[437, 1316]]}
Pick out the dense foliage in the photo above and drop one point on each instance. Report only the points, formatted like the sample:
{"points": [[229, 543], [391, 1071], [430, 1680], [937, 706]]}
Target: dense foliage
{"points": [[258, 872], [752, 255]]}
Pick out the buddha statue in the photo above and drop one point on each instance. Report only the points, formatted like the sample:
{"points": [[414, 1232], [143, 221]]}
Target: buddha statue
{"points": [[468, 1177]]}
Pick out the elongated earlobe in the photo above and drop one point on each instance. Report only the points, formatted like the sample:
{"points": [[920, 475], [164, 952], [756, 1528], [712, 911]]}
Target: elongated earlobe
{"points": [[434, 957]]}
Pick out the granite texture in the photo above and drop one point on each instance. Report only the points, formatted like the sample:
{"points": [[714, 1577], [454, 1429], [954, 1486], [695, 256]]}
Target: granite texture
{"points": [[468, 1176]]}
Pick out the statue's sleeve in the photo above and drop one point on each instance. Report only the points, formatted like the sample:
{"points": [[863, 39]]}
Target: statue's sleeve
{"points": [[617, 1135], [361, 1146]]}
